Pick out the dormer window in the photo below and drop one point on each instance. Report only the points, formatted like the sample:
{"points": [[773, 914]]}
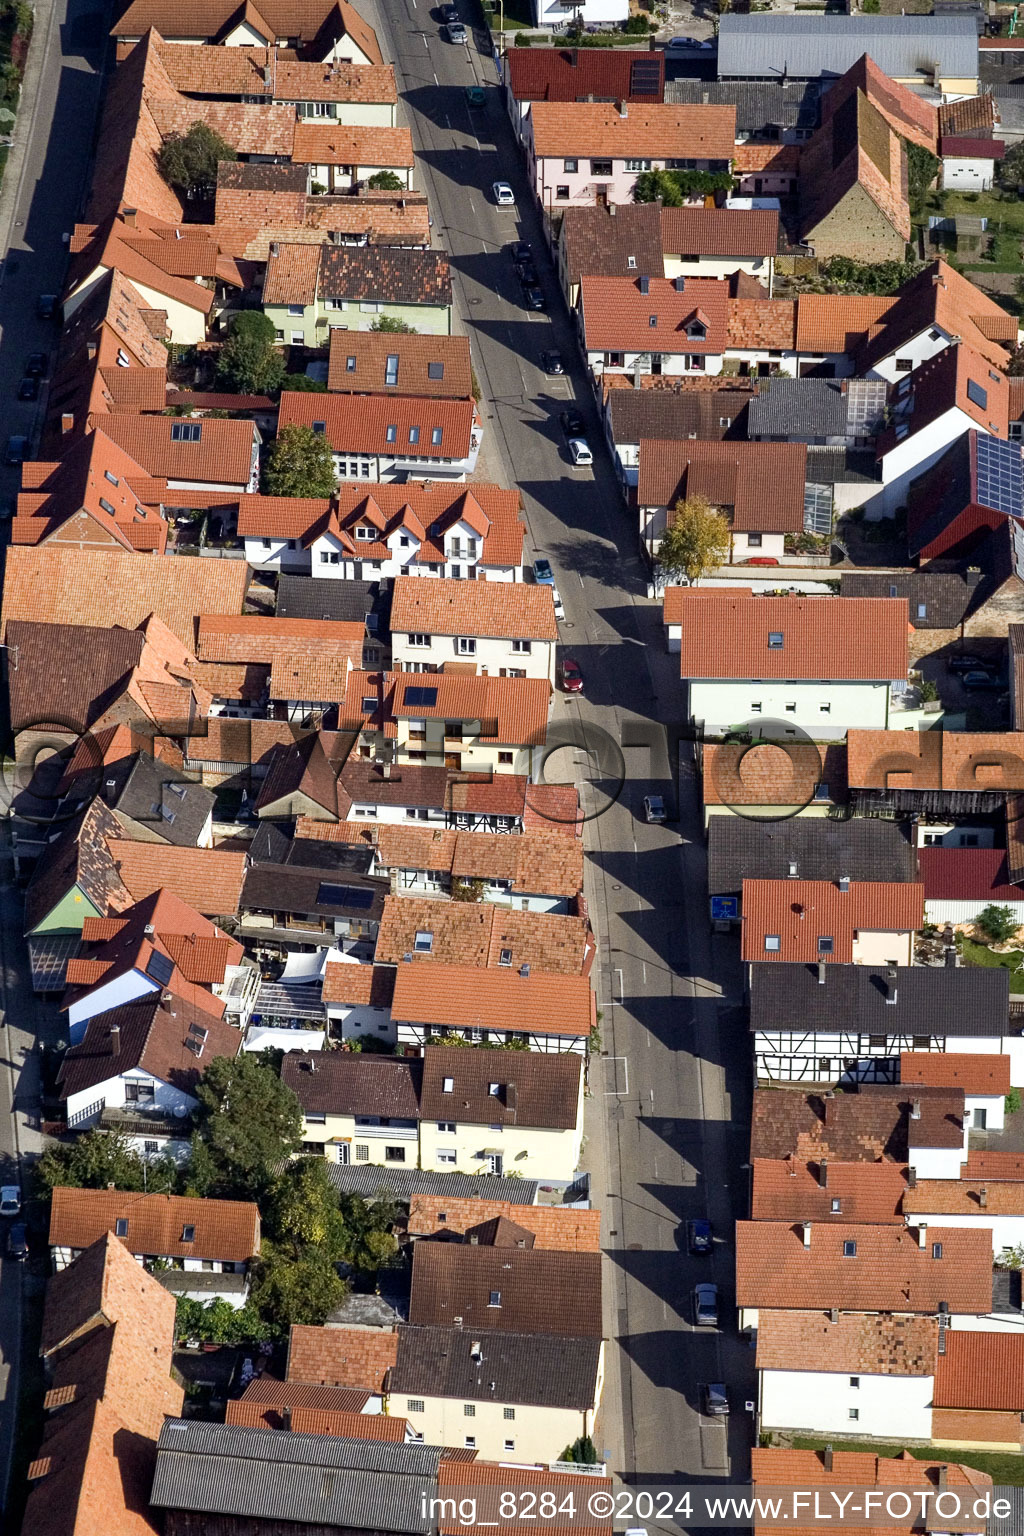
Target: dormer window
{"points": [[365, 531], [188, 1233], [776, 640], [696, 330], [447, 1086], [424, 942], [121, 1226], [652, 321]]}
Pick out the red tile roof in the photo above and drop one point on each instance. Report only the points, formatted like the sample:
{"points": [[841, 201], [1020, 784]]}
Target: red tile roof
{"points": [[617, 315], [727, 636], [341, 1357], [222, 455], [658, 131], [359, 363], [799, 912], [981, 1370], [573, 74], [499, 999], [974, 1073], [832, 322], [209, 879], [318, 143], [794, 1189], [888, 1272], [761, 483], [362, 423], [488, 609], [511, 710], [767, 774], [467, 935], [872, 1343], [556, 1227], [720, 231], [228, 1230]]}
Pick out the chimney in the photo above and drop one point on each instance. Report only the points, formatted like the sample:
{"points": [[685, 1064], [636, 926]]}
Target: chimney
{"points": [[791, 1165], [623, 109], [807, 1233], [983, 1197], [511, 1095], [115, 1039], [793, 867], [822, 970], [826, 1457], [911, 1178], [149, 930], [67, 422], [385, 771], [942, 1476], [475, 1352], [844, 884], [91, 350], [286, 1416], [915, 1109], [679, 284], [611, 210], [833, 1314], [129, 216], [275, 249], [823, 1173], [922, 1234]]}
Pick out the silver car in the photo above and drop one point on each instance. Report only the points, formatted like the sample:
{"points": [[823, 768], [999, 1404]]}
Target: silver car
{"points": [[705, 1304]]}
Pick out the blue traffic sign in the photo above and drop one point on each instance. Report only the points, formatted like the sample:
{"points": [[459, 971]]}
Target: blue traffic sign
{"points": [[724, 908]]}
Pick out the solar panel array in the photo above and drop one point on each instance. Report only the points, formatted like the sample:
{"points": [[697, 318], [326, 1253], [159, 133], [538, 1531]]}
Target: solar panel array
{"points": [[645, 77], [344, 896], [1000, 475], [426, 698]]}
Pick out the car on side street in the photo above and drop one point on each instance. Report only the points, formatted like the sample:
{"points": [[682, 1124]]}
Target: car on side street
{"points": [[981, 682], [572, 424], [966, 662], [35, 367], [17, 1242], [699, 1237], [448, 13], [677, 45], [503, 194], [475, 96], [28, 389], [654, 810], [46, 306], [559, 605], [534, 299], [543, 575], [714, 1399], [572, 677], [579, 452], [527, 274], [551, 362], [455, 32], [17, 449], [10, 1200], [520, 251], [705, 1304]]}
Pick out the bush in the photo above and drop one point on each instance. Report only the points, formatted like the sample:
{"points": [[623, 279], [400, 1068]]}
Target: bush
{"points": [[1011, 1103], [997, 923]]}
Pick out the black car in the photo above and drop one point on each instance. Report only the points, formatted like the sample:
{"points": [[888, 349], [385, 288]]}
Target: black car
{"points": [[28, 389], [965, 662], [521, 250], [36, 365], [699, 1237], [448, 13], [17, 1242], [551, 362], [981, 682], [534, 299], [46, 306], [572, 423]]}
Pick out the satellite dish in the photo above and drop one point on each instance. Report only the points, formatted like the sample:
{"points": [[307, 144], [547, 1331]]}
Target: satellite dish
{"points": [[180, 1111]]}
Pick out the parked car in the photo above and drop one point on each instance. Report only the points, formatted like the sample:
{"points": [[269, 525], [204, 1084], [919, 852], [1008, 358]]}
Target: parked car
{"points": [[527, 274], [46, 306], [36, 365], [687, 45], [654, 809], [981, 682], [17, 449], [28, 389], [551, 362], [475, 96], [520, 251], [965, 662], [456, 32], [579, 452], [559, 605], [448, 13], [705, 1304], [10, 1200], [17, 1242], [698, 1232], [713, 1398], [572, 423], [572, 677], [534, 299], [543, 574], [503, 194]]}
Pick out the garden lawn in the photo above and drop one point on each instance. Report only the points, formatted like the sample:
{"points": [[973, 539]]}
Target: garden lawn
{"points": [[980, 954], [1003, 1468]]}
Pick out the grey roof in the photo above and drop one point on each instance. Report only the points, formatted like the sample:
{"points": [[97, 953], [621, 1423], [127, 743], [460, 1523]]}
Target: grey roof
{"points": [[192, 1282], [273, 845], [670, 415], [945, 596], [930, 1000], [149, 791], [541, 1370], [795, 408], [769, 47], [319, 597], [308, 892], [402, 1183], [841, 466], [759, 104], [324, 1480], [864, 848]]}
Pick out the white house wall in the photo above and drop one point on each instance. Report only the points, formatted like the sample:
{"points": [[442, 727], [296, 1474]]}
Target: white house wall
{"points": [[824, 710], [894, 1407], [1007, 1231], [944, 911], [166, 1099]]}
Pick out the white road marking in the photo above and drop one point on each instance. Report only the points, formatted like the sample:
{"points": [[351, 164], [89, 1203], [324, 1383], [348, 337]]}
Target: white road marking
{"points": [[618, 972], [426, 45], [618, 1092]]}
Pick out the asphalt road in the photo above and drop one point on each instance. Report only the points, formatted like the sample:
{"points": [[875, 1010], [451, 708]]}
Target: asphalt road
{"points": [[667, 1123]]}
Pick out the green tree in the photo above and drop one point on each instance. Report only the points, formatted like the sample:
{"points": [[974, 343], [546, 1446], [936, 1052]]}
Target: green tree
{"points": [[922, 169], [385, 181], [393, 325], [301, 383], [287, 1289], [100, 1158], [217, 1322], [189, 160], [695, 542], [369, 1241], [1011, 167], [467, 890], [652, 185], [1015, 367], [249, 361], [299, 464], [249, 1122], [303, 1210], [581, 1451], [997, 923]]}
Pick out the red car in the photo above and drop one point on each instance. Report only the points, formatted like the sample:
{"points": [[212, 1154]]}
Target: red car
{"points": [[572, 677]]}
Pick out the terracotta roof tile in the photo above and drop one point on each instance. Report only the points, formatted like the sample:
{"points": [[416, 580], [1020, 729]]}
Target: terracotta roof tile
{"points": [[795, 1189], [209, 879], [658, 131], [440, 429], [341, 144], [359, 363], [508, 709], [317, 1421], [775, 159], [157, 1034], [799, 912], [964, 1197], [223, 1229], [762, 324], [539, 1291], [974, 1073], [612, 242], [720, 231], [875, 1344], [215, 71], [573, 74], [495, 999], [860, 1469], [553, 1227], [981, 1370], [762, 484], [399, 276], [465, 934], [292, 272], [950, 760], [341, 1357], [766, 774], [304, 19], [617, 314], [855, 638], [224, 452], [500, 609], [367, 986], [829, 322], [888, 1272], [871, 1125]]}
